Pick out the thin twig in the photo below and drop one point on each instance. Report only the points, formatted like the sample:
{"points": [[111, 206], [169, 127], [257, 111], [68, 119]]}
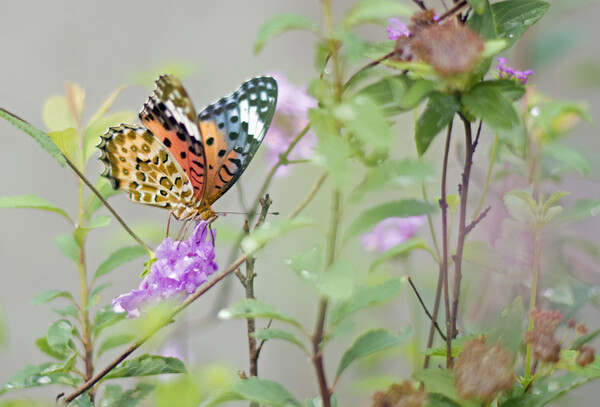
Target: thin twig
{"points": [[457, 8], [425, 308], [478, 219], [309, 197], [421, 4], [176, 310]]}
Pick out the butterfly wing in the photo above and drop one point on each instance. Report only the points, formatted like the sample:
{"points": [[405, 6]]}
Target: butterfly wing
{"points": [[137, 162], [170, 115], [232, 130]]}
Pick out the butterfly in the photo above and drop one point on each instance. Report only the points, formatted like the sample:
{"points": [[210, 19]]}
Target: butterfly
{"points": [[182, 161]]}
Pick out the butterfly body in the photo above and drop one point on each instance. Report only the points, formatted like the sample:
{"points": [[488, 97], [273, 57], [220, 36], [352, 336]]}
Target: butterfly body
{"points": [[183, 161]]}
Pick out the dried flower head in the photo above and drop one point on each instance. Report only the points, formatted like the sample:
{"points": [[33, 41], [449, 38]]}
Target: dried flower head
{"points": [[585, 356], [180, 268], [400, 395], [483, 371], [581, 329], [450, 48], [546, 348]]}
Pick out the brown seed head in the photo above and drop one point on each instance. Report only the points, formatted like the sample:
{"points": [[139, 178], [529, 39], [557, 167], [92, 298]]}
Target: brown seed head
{"points": [[585, 356], [581, 329], [400, 395]]}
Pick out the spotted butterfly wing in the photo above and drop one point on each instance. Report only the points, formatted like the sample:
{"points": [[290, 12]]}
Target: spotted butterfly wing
{"points": [[183, 162]]}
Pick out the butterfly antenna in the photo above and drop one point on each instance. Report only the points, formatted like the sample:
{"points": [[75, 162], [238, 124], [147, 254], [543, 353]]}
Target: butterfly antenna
{"points": [[245, 213]]}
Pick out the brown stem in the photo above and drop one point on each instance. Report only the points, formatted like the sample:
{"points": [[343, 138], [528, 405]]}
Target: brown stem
{"points": [[176, 310], [421, 4], [425, 308], [444, 265], [453, 11], [462, 227], [434, 316], [317, 342]]}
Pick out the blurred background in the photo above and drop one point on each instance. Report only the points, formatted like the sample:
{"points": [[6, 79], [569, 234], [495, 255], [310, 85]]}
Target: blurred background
{"points": [[103, 45]]}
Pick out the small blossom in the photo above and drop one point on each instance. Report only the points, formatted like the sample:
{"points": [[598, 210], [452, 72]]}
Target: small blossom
{"points": [[585, 356], [506, 72], [400, 395], [180, 268], [397, 29], [391, 232], [293, 103], [483, 371]]}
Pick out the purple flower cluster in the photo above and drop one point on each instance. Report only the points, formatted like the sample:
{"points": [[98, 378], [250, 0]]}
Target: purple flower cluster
{"points": [[293, 103], [391, 232], [506, 72], [180, 268], [397, 29]]}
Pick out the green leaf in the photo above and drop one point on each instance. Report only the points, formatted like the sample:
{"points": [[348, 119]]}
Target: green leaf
{"points": [[391, 174], [374, 11], [337, 281], [514, 17], [520, 206], [477, 5], [118, 258], [508, 330], [57, 115], [106, 190], [483, 23], [272, 333], [31, 201], [98, 127], [363, 297], [567, 156], [559, 294], [31, 376], [307, 263], [59, 335], [114, 341], [104, 318], [487, 102], [253, 308], [68, 246], [254, 389], [42, 138], [585, 339], [366, 120], [403, 208], [281, 24], [68, 311], [66, 367], [437, 380], [482, 254], [332, 151], [270, 231], [99, 288], [402, 249], [114, 396], [83, 401], [438, 114], [67, 141], [44, 346], [370, 342], [147, 365], [49, 295]]}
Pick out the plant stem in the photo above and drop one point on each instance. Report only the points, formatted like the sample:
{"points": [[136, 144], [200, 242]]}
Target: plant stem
{"points": [[537, 241]]}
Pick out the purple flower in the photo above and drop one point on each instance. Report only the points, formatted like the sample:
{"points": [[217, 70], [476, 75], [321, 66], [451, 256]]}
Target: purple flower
{"points": [[397, 29], [293, 103], [180, 268], [506, 72], [391, 232]]}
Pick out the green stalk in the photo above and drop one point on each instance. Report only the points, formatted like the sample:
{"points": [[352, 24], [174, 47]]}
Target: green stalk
{"points": [[532, 300]]}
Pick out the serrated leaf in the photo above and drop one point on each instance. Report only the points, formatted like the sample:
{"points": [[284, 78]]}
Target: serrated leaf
{"points": [[403, 208], [519, 206], [59, 334], [486, 101], [104, 318], [281, 24], [31, 201], [147, 365], [253, 308], [272, 333], [368, 343], [402, 249], [83, 401], [66, 367], [567, 156], [31, 376], [56, 114], [438, 114], [374, 11], [482, 254], [49, 295], [337, 281], [42, 138], [438, 381], [514, 17], [66, 140], [114, 341], [270, 231], [44, 346], [508, 330], [254, 389], [363, 297], [366, 120], [118, 258], [114, 396], [99, 126]]}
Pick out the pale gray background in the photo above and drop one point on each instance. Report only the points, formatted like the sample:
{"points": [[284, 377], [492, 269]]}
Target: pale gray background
{"points": [[101, 45]]}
